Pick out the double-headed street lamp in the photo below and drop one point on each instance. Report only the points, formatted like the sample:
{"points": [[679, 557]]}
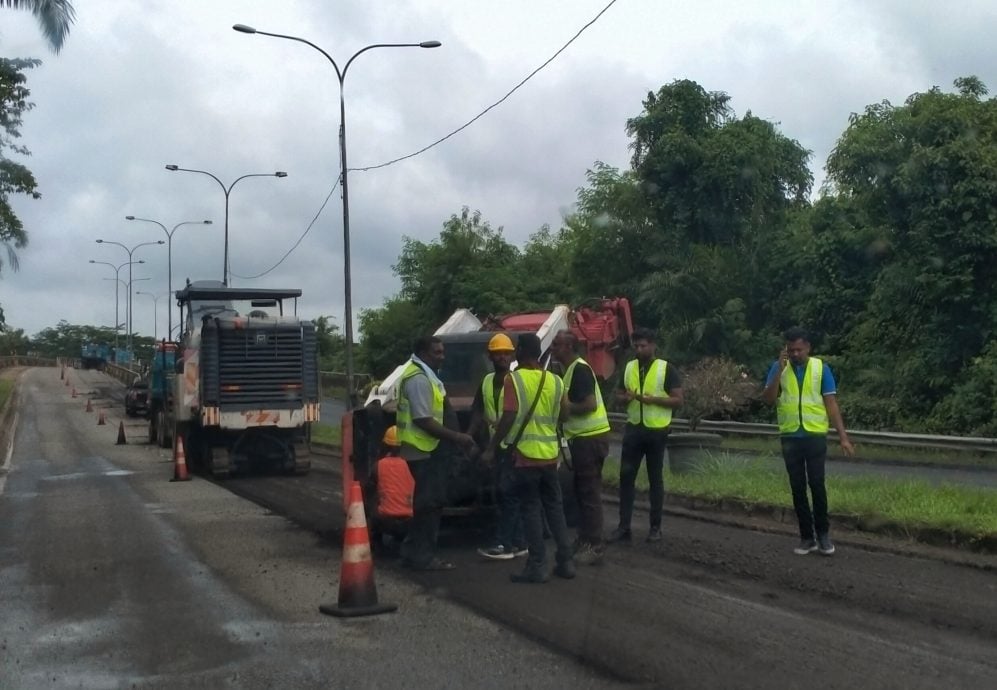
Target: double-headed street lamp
{"points": [[155, 312], [116, 278], [169, 258], [280, 173], [348, 296], [130, 262]]}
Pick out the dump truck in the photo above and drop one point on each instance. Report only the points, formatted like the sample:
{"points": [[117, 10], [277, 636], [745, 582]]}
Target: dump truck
{"points": [[603, 328], [245, 388]]}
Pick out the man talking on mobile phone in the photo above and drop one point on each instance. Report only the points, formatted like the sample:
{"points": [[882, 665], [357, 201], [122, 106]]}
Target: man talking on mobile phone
{"points": [[805, 395]]}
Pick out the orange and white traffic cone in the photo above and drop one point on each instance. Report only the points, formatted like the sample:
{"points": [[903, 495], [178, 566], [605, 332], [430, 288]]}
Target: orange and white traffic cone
{"points": [[180, 473], [74, 391], [100, 417], [357, 589], [121, 434], [89, 406]]}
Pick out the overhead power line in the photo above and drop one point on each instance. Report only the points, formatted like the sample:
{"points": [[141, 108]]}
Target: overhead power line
{"points": [[493, 105]]}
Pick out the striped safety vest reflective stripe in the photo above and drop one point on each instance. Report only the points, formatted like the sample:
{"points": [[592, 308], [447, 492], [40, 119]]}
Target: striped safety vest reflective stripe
{"points": [[590, 424], [651, 416], [802, 405], [409, 433], [539, 438]]}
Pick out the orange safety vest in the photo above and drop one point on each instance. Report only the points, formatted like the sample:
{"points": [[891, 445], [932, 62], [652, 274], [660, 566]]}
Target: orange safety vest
{"points": [[395, 487]]}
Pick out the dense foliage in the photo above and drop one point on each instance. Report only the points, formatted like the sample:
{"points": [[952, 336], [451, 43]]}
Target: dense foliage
{"points": [[713, 234]]}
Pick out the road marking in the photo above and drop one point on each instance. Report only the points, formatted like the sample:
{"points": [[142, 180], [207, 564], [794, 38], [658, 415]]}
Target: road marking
{"points": [[5, 468]]}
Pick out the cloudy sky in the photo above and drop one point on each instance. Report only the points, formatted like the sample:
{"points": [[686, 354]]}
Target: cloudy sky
{"points": [[141, 85]]}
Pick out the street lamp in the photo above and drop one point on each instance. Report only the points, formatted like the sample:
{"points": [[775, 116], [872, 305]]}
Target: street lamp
{"points": [[155, 312], [341, 75], [116, 269], [128, 315], [169, 258], [174, 167]]}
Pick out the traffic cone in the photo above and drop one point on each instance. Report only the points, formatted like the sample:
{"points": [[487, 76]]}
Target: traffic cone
{"points": [[180, 473], [100, 418], [357, 589], [89, 406], [121, 434], [74, 391]]}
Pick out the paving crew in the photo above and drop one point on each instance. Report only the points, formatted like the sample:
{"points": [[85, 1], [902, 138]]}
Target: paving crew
{"points": [[509, 540], [531, 409], [652, 390], [586, 428], [427, 446], [805, 395], [395, 487]]}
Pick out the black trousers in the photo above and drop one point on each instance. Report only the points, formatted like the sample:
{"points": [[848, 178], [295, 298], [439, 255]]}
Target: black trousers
{"points": [[638, 443], [540, 497], [430, 474], [805, 457], [588, 453]]}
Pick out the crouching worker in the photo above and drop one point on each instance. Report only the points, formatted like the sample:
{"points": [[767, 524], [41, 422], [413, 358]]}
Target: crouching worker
{"points": [[395, 488]]}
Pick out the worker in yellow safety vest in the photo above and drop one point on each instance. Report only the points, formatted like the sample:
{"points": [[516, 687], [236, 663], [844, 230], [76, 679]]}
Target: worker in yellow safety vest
{"points": [[509, 540], [421, 415], [586, 428], [652, 389], [531, 409], [805, 395]]}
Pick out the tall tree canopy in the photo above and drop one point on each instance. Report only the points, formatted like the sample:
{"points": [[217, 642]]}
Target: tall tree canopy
{"points": [[54, 18]]}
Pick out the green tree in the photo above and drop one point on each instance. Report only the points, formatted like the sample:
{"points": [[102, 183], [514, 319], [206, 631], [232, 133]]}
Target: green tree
{"points": [[924, 176], [388, 332], [13, 342], [331, 344], [54, 17]]}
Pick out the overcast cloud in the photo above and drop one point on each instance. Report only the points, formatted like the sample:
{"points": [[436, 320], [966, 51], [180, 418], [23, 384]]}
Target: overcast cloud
{"points": [[140, 85]]}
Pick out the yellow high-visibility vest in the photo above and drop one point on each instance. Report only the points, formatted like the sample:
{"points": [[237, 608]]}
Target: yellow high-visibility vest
{"points": [[802, 406], [408, 432], [492, 409], [539, 438], [651, 416], [591, 424]]}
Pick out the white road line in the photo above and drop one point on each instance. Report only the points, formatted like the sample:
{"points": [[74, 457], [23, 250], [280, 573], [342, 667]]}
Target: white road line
{"points": [[5, 468]]}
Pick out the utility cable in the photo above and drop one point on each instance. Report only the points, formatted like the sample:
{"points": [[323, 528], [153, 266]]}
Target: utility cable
{"points": [[493, 105], [295, 245]]}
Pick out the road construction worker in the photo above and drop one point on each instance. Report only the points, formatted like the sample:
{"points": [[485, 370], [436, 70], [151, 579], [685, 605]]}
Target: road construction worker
{"points": [[509, 540], [652, 390], [586, 428], [531, 408], [395, 487], [805, 395], [427, 446]]}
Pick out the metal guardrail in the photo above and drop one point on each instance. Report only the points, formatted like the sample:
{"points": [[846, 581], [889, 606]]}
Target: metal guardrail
{"points": [[24, 361], [123, 374], [972, 444]]}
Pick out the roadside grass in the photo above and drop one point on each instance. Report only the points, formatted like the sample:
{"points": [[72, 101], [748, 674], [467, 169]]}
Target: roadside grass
{"points": [[912, 504], [326, 433], [6, 389], [868, 451]]}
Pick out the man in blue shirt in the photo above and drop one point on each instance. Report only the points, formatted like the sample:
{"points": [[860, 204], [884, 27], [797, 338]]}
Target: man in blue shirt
{"points": [[805, 395]]}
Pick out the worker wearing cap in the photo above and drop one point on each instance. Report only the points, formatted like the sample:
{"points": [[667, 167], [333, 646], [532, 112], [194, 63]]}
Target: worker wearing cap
{"points": [[427, 446], [395, 487], [486, 409], [586, 428], [531, 409], [652, 389]]}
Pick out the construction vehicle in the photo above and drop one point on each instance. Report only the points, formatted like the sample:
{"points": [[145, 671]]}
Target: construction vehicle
{"points": [[246, 386], [94, 356], [603, 328]]}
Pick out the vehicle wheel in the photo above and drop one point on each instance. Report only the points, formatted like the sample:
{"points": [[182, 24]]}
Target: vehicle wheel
{"points": [[163, 437]]}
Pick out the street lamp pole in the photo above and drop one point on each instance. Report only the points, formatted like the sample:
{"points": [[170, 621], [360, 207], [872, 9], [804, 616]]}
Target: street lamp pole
{"points": [[128, 335], [169, 257], [155, 313], [116, 269], [174, 168], [341, 75]]}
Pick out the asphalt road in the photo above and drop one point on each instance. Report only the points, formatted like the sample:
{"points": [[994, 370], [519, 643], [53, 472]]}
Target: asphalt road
{"points": [[332, 412], [113, 577]]}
